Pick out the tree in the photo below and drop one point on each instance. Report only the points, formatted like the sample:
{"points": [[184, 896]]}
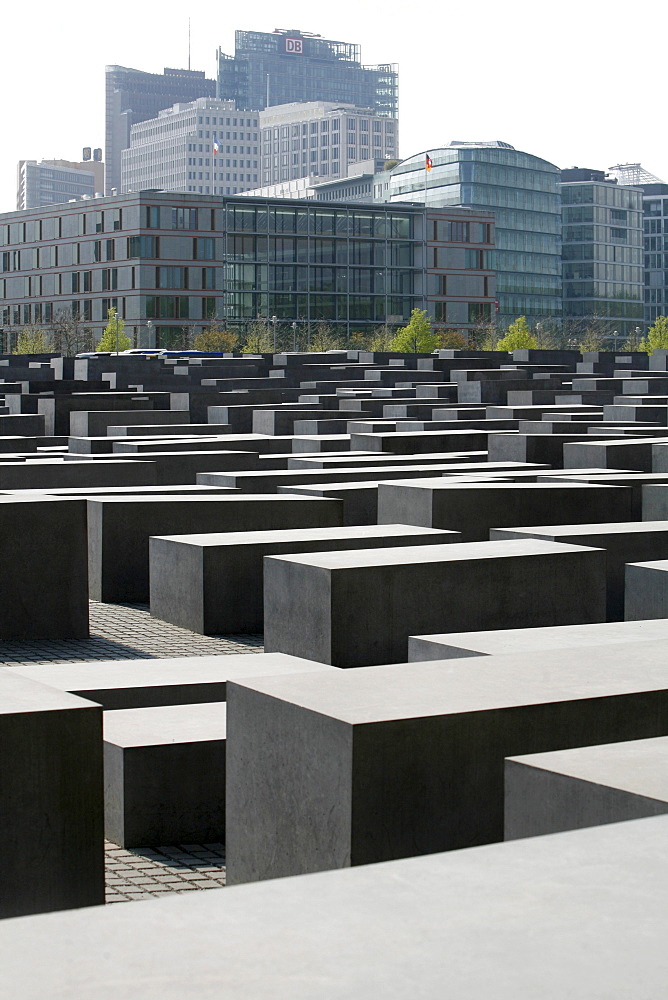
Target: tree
{"points": [[70, 335], [259, 339], [114, 337], [518, 336], [381, 338], [216, 339], [32, 340], [417, 336], [657, 336], [453, 340], [324, 338]]}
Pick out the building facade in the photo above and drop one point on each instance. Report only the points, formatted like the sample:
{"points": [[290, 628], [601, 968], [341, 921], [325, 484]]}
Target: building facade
{"points": [[173, 263], [290, 66], [522, 192], [602, 252], [52, 182], [322, 140], [205, 147], [655, 239], [132, 96]]}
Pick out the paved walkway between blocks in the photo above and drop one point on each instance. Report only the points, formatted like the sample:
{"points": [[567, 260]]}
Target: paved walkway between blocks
{"points": [[125, 632], [128, 632], [147, 872]]}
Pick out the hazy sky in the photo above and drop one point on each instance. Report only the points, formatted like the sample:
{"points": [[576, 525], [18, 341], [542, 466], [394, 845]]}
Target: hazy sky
{"points": [[569, 82]]}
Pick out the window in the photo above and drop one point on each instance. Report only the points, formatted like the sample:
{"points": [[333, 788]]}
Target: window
{"points": [[153, 217], [204, 248], [184, 218], [143, 246]]}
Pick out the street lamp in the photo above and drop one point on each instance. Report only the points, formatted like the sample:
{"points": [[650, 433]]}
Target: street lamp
{"points": [[116, 317], [149, 324], [274, 320], [294, 334]]}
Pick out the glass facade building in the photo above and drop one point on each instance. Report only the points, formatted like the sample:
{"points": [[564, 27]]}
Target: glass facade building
{"points": [[173, 262], [285, 67], [655, 229], [602, 251], [522, 192]]}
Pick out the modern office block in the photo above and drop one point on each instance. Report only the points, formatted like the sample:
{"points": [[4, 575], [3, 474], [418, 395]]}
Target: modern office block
{"points": [[205, 146], [285, 66], [522, 191], [52, 182], [170, 262], [602, 253], [132, 96]]}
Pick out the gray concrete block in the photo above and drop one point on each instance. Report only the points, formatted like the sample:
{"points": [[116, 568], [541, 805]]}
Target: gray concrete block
{"points": [[634, 454], [555, 889], [213, 583], [452, 645], [164, 775], [654, 499], [94, 423], [358, 608], [181, 680], [119, 530], [586, 786], [42, 474], [51, 815], [475, 508], [646, 589], [623, 543], [43, 554], [419, 442], [354, 767]]}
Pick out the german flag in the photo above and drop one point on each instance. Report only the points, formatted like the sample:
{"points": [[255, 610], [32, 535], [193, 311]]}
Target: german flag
{"points": [[427, 162]]}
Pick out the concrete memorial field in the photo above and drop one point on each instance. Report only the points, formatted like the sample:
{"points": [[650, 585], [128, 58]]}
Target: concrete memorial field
{"points": [[391, 624]]}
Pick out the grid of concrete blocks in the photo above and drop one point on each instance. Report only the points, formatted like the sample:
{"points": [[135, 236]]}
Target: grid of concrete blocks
{"points": [[394, 624]]}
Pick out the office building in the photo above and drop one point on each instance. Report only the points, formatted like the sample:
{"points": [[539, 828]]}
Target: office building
{"points": [[655, 235], [132, 96], [51, 182], [172, 263], [655, 239], [206, 147], [322, 140], [292, 66], [602, 252], [522, 192]]}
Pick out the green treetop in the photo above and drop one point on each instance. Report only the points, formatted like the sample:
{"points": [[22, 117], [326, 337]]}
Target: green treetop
{"points": [[518, 336], [114, 339], [657, 336], [417, 336]]}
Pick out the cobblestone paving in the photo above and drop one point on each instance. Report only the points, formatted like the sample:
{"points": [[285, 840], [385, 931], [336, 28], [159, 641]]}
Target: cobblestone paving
{"points": [[125, 632], [128, 632], [147, 872]]}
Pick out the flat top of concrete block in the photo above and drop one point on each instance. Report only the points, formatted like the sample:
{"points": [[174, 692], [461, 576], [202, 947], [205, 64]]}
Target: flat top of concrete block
{"points": [[610, 528], [103, 675], [520, 640], [487, 683], [333, 489], [146, 727], [579, 914], [19, 695], [658, 564], [230, 496], [636, 766], [623, 441], [452, 552], [213, 539], [442, 483], [66, 492]]}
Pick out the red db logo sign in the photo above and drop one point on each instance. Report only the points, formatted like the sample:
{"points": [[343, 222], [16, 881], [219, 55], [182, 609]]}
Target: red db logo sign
{"points": [[295, 46]]}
